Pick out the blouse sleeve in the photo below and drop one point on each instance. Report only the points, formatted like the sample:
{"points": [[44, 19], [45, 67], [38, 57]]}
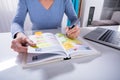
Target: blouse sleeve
{"points": [[69, 11], [18, 22]]}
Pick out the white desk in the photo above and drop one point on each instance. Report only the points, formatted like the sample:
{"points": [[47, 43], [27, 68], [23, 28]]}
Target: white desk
{"points": [[105, 67]]}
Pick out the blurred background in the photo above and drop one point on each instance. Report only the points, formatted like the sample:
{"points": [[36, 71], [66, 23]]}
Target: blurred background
{"points": [[90, 11]]}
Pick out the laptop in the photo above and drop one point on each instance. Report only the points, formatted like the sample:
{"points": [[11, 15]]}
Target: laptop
{"points": [[105, 36]]}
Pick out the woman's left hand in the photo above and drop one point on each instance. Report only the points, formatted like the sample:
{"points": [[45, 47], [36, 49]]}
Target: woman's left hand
{"points": [[73, 33]]}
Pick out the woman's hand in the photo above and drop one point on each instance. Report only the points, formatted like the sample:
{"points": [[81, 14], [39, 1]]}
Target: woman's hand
{"points": [[19, 44], [72, 33]]}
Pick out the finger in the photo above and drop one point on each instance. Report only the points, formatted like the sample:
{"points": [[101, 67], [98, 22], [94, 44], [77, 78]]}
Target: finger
{"points": [[74, 35], [16, 46], [73, 30], [30, 42], [77, 31], [21, 49], [13, 45], [71, 36]]}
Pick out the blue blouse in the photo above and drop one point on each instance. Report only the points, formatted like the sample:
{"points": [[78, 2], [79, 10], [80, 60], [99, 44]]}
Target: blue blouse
{"points": [[41, 17]]}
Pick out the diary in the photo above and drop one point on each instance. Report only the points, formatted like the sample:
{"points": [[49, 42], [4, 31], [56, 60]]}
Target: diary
{"points": [[55, 47]]}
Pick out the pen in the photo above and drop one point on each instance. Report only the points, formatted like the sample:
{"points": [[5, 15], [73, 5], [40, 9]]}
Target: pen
{"points": [[75, 23]]}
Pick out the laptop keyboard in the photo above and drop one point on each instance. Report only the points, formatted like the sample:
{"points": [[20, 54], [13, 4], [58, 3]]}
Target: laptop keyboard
{"points": [[111, 37]]}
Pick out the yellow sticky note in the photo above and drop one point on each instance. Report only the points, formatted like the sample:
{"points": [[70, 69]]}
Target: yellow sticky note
{"points": [[67, 45], [38, 33]]}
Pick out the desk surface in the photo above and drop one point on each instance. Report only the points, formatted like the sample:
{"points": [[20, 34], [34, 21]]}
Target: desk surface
{"points": [[105, 67]]}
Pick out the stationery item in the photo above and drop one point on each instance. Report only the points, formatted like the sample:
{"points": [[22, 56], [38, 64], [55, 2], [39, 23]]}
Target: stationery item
{"points": [[75, 23], [55, 47]]}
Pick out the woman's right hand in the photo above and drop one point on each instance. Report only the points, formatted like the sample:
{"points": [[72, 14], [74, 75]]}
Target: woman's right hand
{"points": [[19, 44]]}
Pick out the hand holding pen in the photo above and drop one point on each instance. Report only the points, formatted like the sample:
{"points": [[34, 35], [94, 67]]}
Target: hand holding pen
{"points": [[73, 31]]}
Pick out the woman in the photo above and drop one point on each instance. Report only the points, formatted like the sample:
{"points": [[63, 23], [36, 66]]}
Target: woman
{"points": [[44, 14]]}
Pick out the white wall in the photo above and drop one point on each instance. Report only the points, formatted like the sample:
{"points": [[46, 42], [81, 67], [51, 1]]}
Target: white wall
{"points": [[98, 4], [7, 12]]}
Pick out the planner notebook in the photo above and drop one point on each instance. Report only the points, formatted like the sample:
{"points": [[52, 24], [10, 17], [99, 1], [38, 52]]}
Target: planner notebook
{"points": [[55, 47]]}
